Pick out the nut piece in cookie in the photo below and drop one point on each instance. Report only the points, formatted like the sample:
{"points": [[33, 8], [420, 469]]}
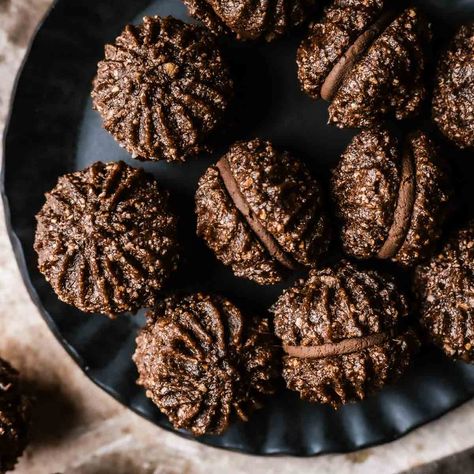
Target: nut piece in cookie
{"points": [[261, 212], [106, 239], [205, 364], [14, 417], [162, 88], [392, 200], [445, 290], [250, 20], [368, 61], [343, 334], [453, 100]]}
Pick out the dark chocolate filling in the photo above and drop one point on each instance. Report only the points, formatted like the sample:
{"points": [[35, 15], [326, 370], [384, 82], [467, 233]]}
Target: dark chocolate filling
{"points": [[353, 55], [347, 346], [267, 240], [404, 209]]}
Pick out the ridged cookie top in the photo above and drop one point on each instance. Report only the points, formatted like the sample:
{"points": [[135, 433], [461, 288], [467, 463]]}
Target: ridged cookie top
{"points": [[334, 304], [162, 88], [106, 239], [249, 19], [204, 363], [445, 290]]}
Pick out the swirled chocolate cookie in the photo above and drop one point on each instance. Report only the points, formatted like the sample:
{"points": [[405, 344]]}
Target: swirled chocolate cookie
{"points": [[248, 19], [453, 100], [162, 88], [367, 61], [204, 363], [14, 417], [261, 212], [391, 201], [106, 239], [445, 290], [343, 335]]}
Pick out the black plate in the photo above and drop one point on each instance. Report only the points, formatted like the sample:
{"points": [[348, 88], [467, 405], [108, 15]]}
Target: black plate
{"points": [[52, 130]]}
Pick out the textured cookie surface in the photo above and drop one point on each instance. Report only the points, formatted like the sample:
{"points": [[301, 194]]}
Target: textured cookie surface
{"points": [[249, 19], [433, 194], [280, 194], [229, 236], [445, 289], [453, 102], [14, 417], [327, 41], [335, 305], [283, 195], [204, 363], [365, 189], [381, 216], [388, 80], [106, 239], [162, 88]]}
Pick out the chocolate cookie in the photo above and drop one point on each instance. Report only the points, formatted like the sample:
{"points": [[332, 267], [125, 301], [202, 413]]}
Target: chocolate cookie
{"points": [[453, 101], [367, 61], [343, 334], [392, 201], [204, 363], [162, 89], [250, 20], [106, 239], [14, 417], [261, 212], [445, 290]]}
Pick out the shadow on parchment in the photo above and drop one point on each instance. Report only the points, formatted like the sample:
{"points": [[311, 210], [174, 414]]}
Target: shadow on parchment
{"points": [[136, 461], [53, 413]]}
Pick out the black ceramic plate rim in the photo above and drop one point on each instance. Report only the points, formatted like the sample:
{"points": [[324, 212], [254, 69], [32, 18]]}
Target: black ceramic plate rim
{"points": [[19, 256]]}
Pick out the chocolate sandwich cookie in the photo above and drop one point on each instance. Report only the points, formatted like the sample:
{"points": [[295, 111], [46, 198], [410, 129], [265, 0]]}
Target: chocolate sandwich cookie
{"points": [[14, 417], [162, 88], [106, 238], [205, 364], [445, 290], [391, 199], [366, 60], [250, 20], [343, 334], [453, 100], [261, 212]]}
